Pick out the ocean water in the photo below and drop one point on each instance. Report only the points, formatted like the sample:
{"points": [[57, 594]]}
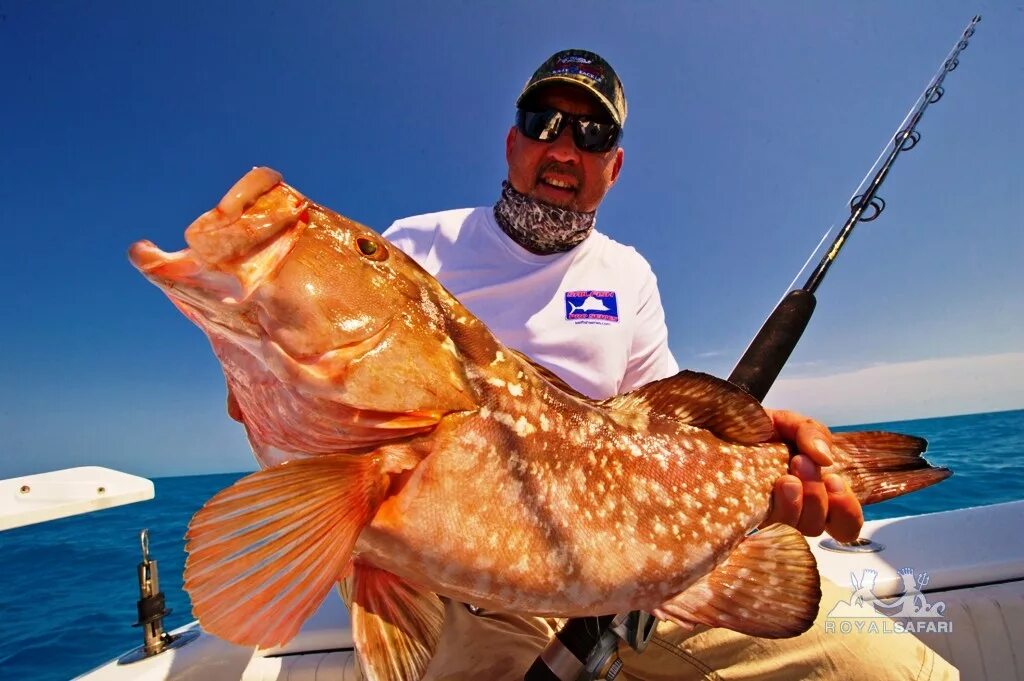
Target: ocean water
{"points": [[68, 588]]}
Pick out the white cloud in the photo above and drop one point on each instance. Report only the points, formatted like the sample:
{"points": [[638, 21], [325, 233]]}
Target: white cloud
{"points": [[907, 390]]}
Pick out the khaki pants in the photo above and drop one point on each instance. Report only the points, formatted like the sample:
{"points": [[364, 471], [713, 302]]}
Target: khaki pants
{"points": [[495, 646]]}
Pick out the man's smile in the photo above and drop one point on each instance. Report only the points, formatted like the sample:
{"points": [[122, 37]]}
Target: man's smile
{"points": [[559, 181]]}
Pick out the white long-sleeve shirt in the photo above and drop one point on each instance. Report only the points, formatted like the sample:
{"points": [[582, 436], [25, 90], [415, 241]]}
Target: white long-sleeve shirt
{"points": [[592, 315]]}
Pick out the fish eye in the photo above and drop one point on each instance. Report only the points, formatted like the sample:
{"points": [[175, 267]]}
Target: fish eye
{"points": [[371, 249]]}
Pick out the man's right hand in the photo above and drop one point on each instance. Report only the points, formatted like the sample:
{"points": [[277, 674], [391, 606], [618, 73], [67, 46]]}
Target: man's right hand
{"points": [[234, 411]]}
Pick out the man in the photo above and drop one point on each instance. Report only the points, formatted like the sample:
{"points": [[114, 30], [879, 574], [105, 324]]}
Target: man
{"points": [[534, 269]]}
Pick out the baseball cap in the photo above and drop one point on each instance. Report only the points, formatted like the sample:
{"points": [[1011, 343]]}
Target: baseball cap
{"points": [[587, 70]]}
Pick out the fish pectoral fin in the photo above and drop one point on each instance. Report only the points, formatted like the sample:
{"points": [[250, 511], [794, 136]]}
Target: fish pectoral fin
{"points": [[704, 401], [768, 587], [263, 553], [395, 625]]}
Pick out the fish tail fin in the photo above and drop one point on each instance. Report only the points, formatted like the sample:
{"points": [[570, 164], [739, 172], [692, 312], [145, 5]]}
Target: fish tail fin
{"points": [[263, 553], [881, 465]]}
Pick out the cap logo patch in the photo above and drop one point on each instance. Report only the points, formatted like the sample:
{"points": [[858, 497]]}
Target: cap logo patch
{"points": [[591, 307], [578, 66]]}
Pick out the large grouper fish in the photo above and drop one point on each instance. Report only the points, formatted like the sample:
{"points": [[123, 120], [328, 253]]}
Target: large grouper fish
{"points": [[406, 449]]}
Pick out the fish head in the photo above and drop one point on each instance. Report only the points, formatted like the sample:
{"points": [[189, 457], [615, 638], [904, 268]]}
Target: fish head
{"points": [[314, 300]]}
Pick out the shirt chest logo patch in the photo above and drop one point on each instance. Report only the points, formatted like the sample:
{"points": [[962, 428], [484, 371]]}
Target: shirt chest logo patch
{"points": [[591, 307]]}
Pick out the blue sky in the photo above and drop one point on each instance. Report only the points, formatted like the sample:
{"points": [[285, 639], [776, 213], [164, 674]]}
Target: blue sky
{"points": [[750, 124]]}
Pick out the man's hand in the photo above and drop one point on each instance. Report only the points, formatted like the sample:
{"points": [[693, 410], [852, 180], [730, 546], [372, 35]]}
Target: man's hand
{"points": [[807, 500]]}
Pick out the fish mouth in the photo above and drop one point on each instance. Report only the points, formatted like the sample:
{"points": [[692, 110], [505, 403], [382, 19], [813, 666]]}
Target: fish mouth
{"points": [[182, 269], [208, 297], [234, 247]]}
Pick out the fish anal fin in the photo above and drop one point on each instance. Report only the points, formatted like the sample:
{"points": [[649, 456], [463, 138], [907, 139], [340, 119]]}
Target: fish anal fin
{"points": [[704, 401], [768, 587], [263, 553], [395, 625]]}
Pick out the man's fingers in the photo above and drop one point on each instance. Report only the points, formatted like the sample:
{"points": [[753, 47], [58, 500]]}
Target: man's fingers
{"points": [[811, 437], [845, 514], [815, 496], [814, 440], [787, 501]]}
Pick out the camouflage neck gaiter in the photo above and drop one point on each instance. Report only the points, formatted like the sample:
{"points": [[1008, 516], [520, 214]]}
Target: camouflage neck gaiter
{"points": [[538, 227]]}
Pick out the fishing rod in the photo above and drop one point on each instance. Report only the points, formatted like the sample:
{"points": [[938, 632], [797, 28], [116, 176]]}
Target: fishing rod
{"points": [[586, 648], [771, 347]]}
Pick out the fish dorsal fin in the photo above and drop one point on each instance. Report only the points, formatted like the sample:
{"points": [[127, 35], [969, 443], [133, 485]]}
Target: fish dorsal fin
{"points": [[704, 401], [395, 625], [768, 587], [551, 377], [263, 553]]}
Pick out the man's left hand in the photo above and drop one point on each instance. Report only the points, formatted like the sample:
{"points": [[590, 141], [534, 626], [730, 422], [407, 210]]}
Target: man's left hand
{"points": [[808, 500]]}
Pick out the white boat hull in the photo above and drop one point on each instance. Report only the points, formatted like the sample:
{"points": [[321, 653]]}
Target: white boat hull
{"points": [[974, 559]]}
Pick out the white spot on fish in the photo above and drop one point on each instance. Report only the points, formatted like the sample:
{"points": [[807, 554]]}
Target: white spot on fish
{"points": [[448, 345], [523, 566], [496, 382], [639, 494], [515, 389]]}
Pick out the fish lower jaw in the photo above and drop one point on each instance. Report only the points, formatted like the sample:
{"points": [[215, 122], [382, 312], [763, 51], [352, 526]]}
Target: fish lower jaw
{"points": [[149, 258]]}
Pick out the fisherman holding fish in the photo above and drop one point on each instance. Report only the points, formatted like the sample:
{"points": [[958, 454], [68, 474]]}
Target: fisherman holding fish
{"points": [[489, 414], [547, 283]]}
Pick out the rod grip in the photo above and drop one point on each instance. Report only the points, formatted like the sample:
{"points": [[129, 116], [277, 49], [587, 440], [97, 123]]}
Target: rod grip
{"points": [[568, 650], [773, 344]]}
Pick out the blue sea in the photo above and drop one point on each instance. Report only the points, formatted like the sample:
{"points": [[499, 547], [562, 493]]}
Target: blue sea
{"points": [[68, 588]]}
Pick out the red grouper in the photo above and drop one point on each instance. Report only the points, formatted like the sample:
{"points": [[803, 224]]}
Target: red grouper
{"points": [[405, 447]]}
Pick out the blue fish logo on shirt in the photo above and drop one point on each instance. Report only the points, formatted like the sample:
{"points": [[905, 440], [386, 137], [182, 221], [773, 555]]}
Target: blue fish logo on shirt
{"points": [[599, 306]]}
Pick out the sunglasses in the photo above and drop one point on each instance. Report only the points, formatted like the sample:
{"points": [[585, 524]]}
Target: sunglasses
{"points": [[589, 135]]}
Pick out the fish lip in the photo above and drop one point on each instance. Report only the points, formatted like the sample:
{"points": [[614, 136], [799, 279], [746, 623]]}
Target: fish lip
{"points": [[147, 257]]}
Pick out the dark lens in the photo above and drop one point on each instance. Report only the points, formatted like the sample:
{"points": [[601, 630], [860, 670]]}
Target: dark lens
{"points": [[594, 136], [542, 126]]}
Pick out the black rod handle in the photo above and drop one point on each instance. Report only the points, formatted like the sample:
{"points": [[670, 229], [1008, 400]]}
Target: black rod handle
{"points": [[773, 344], [566, 653]]}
